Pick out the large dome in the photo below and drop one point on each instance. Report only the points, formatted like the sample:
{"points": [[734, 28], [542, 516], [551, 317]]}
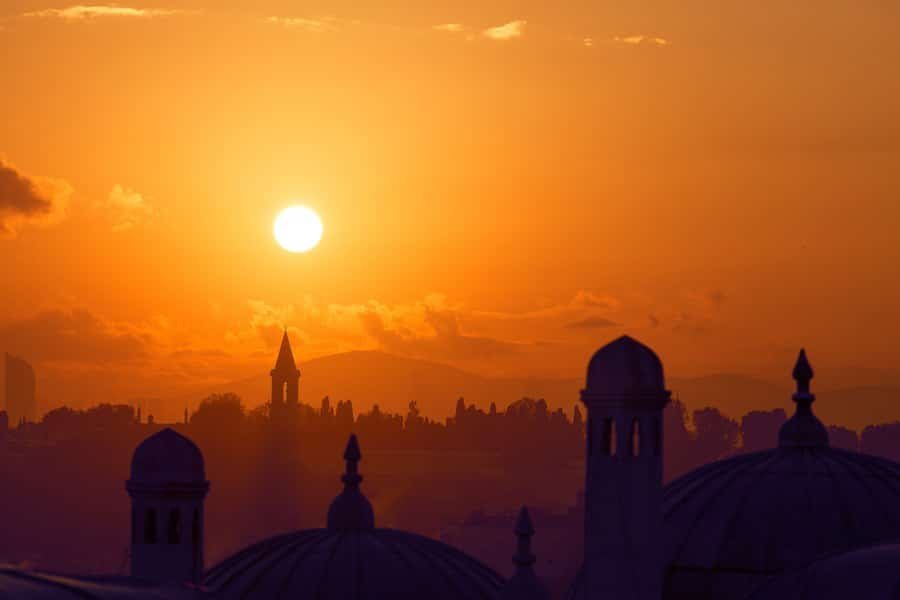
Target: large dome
{"points": [[328, 564], [733, 524], [167, 457], [624, 367], [352, 559], [866, 574]]}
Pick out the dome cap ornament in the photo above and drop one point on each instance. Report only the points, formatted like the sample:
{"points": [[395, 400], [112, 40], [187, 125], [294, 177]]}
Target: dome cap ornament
{"points": [[803, 429], [524, 584], [351, 510]]}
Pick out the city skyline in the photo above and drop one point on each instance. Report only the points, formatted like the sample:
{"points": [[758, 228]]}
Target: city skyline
{"points": [[521, 182]]}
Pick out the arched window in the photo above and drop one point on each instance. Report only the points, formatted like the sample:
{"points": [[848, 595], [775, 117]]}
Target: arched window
{"points": [[150, 526], [195, 528], [174, 528], [635, 437], [590, 437], [657, 437], [611, 441]]}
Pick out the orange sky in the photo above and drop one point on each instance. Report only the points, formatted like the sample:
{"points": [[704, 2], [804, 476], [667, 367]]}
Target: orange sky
{"points": [[503, 188]]}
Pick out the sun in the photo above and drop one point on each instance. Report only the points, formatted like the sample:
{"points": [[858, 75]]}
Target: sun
{"points": [[298, 229]]}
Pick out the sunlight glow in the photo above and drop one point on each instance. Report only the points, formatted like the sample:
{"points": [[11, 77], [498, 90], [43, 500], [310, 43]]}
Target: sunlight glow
{"points": [[298, 229]]}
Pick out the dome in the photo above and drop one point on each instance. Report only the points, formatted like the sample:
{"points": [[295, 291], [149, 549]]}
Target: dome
{"points": [[352, 559], [867, 574], [624, 367], [366, 564], [730, 525], [18, 583], [167, 457]]}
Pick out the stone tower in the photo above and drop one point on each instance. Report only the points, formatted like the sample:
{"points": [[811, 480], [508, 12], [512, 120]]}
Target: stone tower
{"points": [[167, 487], [285, 382], [624, 395]]}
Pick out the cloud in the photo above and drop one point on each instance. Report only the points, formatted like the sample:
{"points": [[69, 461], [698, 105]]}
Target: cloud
{"points": [[450, 27], [29, 200], [507, 31], [592, 323], [127, 208], [82, 12], [445, 341], [76, 335], [636, 40], [312, 25]]}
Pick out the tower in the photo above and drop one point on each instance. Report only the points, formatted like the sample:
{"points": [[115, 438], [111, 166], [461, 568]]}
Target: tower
{"points": [[20, 390], [167, 487], [624, 395], [285, 382]]}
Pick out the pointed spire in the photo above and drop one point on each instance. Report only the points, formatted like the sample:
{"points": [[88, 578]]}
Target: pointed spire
{"points": [[351, 510], [803, 372], [803, 429], [523, 558], [285, 360], [524, 584]]}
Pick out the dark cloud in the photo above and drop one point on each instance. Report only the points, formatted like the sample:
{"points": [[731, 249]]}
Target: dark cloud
{"points": [[73, 336], [592, 323], [25, 200], [446, 342]]}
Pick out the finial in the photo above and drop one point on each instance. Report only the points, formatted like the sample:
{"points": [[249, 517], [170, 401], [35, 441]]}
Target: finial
{"points": [[351, 510], [524, 584], [352, 456], [803, 372], [803, 429], [524, 530]]}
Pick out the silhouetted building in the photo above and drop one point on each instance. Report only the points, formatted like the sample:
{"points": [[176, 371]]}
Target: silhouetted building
{"points": [[20, 390], [285, 400], [866, 574], [4, 424], [167, 488], [351, 558], [732, 525], [524, 583], [625, 395]]}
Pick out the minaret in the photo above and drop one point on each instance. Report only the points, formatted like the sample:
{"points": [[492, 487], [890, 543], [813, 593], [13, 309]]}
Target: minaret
{"points": [[803, 429], [524, 584], [167, 487], [624, 395], [285, 382]]}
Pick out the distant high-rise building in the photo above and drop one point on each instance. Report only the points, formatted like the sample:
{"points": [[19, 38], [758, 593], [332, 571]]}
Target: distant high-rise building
{"points": [[20, 386], [4, 424], [285, 383]]}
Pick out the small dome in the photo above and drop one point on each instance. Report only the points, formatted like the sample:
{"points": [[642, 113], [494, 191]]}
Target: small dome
{"points": [[868, 574], [167, 457], [625, 367]]}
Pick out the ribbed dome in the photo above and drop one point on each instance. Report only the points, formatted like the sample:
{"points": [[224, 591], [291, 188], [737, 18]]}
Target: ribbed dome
{"points": [[352, 560], [732, 524], [167, 457], [867, 574], [374, 564], [17, 583], [624, 368]]}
